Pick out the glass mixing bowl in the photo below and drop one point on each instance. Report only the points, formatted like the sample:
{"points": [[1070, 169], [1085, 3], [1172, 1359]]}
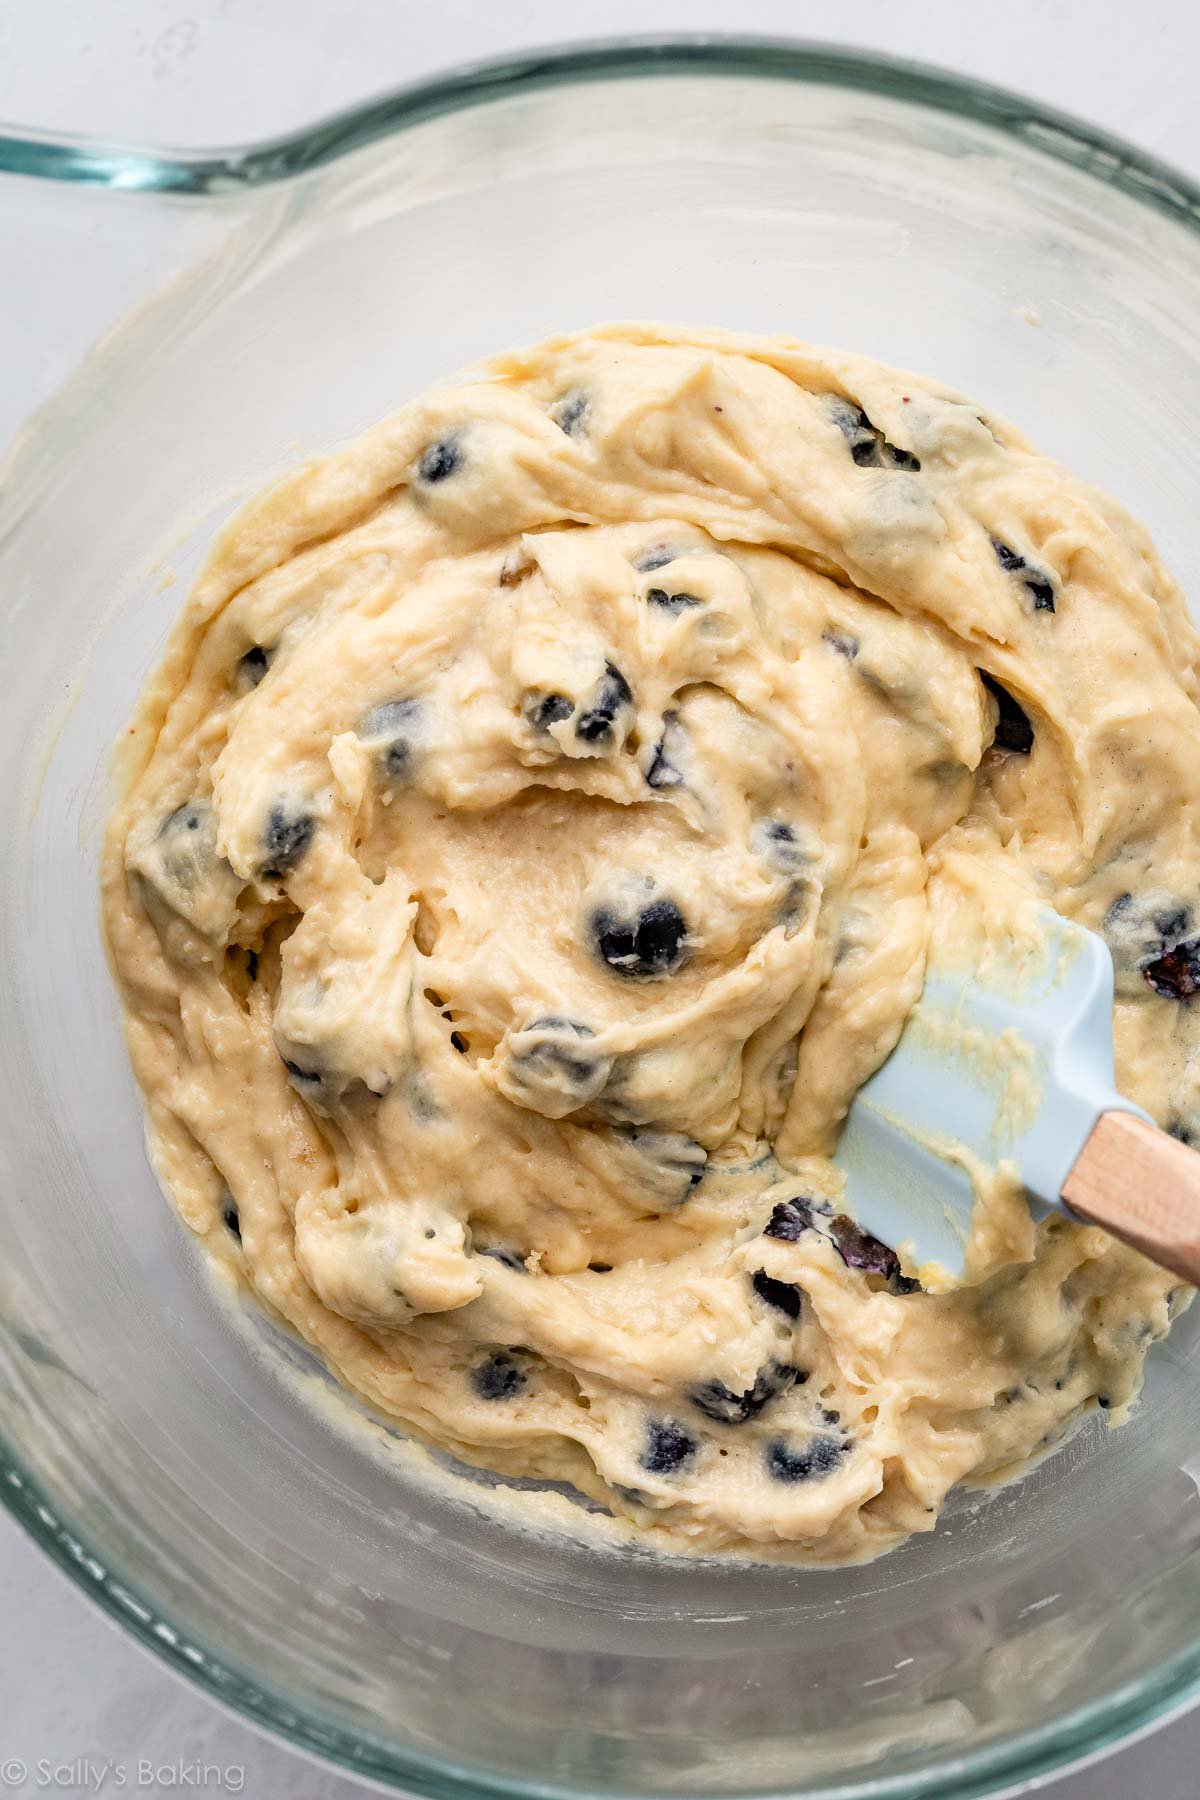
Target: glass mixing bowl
{"points": [[163, 1445]]}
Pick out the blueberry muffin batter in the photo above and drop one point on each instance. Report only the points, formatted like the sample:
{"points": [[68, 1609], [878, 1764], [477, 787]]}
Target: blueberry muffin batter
{"points": [[536, 830]]}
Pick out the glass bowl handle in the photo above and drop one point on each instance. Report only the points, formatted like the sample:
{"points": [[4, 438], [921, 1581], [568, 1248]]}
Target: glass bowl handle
{"points": [[81, 252]]}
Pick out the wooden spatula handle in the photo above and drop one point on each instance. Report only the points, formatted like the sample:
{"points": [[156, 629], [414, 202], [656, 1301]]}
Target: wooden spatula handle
{"points": [[1143, 1186]]}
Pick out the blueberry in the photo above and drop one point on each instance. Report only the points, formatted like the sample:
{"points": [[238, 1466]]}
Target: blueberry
{"points": [[613, 693], [895, 458], [905, 1284], [859, 1250], [666, 601], [551, 1069], [819, 1457], [1037, 583], [868, 446], [182, 867], [1176, 976], [230, 1217], [661, 771], [510, 1258], [1153, 944], [677, 1162], [718, 1402], [306, 1081], [842, 642], [784, 1296], [857, 430], [285, 841], [652, 943], [186, 844], [1173, 922], [1013, 730], [441, 460], [253, 666], [497, 1377], [789, 1220], [775, 842], [391, 726], [657, 557], [559, 1023], [544, 710], [572, 412], [668, 1447], [419, 1097]]}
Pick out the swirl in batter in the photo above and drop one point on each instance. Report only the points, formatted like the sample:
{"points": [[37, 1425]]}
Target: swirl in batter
{"points": [[538, 825]]}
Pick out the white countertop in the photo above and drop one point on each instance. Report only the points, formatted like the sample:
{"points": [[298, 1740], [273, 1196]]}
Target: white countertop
{"points": [[82, 1708]]}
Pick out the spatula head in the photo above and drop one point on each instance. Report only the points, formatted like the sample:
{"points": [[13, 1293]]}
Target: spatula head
{"points": [[1008, 1058]]}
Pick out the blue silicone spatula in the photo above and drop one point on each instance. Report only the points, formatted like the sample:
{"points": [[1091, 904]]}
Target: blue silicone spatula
{"points": [[1011, 1061]]}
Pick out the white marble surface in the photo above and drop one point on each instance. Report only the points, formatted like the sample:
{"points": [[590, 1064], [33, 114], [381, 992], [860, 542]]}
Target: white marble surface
{"points": [[82, 1709]]}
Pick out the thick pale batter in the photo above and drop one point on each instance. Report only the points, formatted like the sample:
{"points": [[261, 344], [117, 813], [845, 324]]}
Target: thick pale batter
{"points": [[536, 829]]}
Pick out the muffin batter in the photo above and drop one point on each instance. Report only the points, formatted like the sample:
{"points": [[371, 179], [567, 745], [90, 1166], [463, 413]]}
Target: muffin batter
{"points": [[537, 827]]}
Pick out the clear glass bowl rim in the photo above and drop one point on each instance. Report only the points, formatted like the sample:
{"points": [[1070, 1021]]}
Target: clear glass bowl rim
{"points": [[1087, 1732]]}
